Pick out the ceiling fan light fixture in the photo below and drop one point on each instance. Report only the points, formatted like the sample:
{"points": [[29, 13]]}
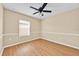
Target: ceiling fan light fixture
{"points": [[41, 9]]}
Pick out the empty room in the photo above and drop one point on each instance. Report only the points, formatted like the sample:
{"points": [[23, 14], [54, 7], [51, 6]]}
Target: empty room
{"points": [[39, 29]]}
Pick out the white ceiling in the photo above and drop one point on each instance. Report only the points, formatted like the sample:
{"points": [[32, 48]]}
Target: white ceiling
{"points": [[55, 7]]}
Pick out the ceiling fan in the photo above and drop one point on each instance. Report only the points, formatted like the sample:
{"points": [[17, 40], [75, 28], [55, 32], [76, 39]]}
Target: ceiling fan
{"points": [[41, 9]]}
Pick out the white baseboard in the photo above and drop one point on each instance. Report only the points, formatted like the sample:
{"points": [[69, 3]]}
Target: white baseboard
{"points": [[20, 42], [62, 43], [1, 51]]}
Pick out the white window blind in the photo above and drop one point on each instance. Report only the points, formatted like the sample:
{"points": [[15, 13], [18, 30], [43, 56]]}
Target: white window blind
{"points": [[24, 28]]}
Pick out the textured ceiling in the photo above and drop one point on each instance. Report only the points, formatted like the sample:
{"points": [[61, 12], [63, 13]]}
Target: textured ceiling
{"points": [[55, 7]]}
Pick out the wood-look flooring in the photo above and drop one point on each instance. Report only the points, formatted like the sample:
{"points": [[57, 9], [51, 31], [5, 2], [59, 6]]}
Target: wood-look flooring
{"points": [[40, 47]]}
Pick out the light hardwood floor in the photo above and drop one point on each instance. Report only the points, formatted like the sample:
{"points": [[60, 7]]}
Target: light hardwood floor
{"points": [[40, 47]]}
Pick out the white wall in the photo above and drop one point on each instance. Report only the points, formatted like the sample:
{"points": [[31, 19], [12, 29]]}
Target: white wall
{"points": [[1, 27], [62, 28], [11, 27]]}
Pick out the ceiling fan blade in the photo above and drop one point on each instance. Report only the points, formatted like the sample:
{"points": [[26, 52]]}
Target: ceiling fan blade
{"points": [[35, 12], [43, 6], [33, 8], [47, 11]]}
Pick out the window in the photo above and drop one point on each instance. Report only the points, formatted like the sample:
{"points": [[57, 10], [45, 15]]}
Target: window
{"points": [[24, 28]]}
